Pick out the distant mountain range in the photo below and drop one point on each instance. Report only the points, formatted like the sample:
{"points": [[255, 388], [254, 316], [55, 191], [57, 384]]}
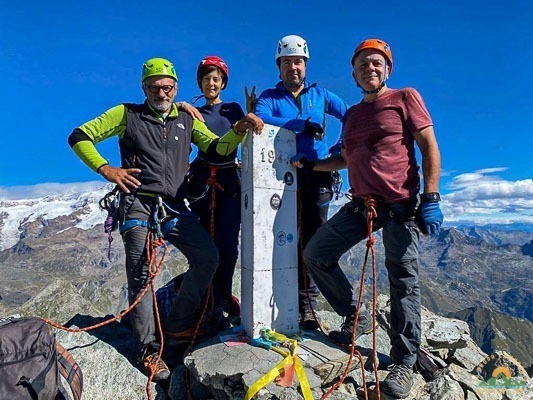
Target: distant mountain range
{"points": [[471, 272]]}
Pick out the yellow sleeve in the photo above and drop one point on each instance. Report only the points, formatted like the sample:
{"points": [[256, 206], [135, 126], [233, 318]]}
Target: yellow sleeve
{"points": [[203, 138], [110, 123]]}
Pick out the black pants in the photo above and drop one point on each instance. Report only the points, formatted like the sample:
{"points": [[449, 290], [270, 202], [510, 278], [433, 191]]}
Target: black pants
{"points": [[227, 219], [192, 241], [314, 196]]}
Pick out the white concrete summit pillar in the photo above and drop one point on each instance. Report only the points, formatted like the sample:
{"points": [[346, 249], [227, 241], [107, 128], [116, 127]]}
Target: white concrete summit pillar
{"points": [[269, 233]]}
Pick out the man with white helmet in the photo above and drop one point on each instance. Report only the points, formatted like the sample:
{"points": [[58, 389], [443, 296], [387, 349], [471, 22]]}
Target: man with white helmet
{"points": [[379, 137], [301, 107]]}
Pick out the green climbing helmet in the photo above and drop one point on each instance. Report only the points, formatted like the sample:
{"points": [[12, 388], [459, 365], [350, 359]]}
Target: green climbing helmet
{"points": [[158, 66]]}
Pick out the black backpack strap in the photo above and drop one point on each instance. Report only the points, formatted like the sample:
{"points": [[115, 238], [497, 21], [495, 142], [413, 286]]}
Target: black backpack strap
{"points": [[70, 370]]}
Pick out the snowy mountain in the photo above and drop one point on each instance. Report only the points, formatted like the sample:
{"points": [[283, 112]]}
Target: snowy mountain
{"points": [[17, 215]]}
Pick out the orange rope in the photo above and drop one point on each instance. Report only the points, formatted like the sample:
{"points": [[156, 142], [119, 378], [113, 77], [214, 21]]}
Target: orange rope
{"points": [[370, 204], [212, 181]]}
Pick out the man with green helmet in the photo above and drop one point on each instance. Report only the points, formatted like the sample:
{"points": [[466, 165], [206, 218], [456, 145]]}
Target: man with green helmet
{"points": [[154, 141]]}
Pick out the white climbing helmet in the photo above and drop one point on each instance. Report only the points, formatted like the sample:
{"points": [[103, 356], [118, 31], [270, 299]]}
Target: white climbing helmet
{"points": [[292, 45]]}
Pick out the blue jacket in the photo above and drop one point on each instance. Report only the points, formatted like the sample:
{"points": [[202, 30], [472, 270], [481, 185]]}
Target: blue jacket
{"points": [[279, 107]]}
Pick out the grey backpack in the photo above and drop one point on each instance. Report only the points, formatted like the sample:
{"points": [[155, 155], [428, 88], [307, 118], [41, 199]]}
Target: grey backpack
{"points": [[31, 362]]}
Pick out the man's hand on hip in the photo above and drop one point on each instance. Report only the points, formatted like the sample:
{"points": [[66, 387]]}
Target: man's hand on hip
{"points": [[124, 178]]}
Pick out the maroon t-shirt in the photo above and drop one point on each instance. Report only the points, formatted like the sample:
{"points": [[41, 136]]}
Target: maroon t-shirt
{"points": [[380, 147]]}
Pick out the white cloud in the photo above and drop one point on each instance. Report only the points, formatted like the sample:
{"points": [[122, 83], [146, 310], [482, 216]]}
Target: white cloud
{"points": [[480, 197], [476, 177], [491, 170], [47, 189]]}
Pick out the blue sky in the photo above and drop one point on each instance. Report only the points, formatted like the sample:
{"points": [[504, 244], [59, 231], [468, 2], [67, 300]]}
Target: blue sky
{"points": [[63, 63]]}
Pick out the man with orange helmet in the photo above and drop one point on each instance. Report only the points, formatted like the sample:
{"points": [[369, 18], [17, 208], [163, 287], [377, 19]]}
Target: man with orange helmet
{"points": [[212, 77], [379, 137]]}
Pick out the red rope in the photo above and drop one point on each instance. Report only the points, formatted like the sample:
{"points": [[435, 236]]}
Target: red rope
{"points": [[371, 204], [210, 298]]}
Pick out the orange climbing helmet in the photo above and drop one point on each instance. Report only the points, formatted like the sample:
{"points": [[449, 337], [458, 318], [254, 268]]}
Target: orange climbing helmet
{"points": [[376, 44]]}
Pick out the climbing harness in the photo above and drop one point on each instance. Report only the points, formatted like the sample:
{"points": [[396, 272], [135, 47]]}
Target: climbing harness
{"points": [[283, 372], [212, 179]]}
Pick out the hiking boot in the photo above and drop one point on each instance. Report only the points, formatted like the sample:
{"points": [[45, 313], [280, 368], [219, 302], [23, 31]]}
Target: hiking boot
{"points": [[307, 321], [344, 336], [399, 381], [155, 363], [219, 319]]}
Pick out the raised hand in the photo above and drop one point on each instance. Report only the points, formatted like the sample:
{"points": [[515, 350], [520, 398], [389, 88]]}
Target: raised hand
{"points": [[251, 99]]}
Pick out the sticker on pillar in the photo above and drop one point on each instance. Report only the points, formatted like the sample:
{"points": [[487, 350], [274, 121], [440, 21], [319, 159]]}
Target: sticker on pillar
{"points": [[275, 201], [281, 238], [288, 178], [246, 201]]}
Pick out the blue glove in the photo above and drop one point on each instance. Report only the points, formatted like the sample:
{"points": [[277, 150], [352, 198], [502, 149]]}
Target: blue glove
{"points": [[431, 216], [302, 159], [313, 129]]}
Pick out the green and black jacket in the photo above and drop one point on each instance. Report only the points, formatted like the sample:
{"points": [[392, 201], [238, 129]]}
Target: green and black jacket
{"points": [[159, 147]]}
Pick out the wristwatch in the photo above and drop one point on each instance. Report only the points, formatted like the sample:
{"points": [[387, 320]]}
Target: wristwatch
{"points": [[432, 196]]}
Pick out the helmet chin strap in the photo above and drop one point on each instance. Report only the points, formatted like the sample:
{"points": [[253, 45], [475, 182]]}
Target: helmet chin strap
{"points": [[381, 86], [372, 91]]}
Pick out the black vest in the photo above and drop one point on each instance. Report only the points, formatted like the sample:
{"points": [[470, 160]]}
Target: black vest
{"points": [[160, 149]]}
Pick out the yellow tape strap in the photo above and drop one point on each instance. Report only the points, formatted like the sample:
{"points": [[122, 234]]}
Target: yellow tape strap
{"points": [[290, 357], [269, 376], [302, 378]]}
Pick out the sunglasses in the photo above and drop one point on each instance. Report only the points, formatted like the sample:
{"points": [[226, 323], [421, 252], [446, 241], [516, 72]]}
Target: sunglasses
{"points": [[155, 88]]}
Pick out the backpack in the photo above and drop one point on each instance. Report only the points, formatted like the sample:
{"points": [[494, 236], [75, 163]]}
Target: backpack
{"points": [[429, 365], [31, 361]]}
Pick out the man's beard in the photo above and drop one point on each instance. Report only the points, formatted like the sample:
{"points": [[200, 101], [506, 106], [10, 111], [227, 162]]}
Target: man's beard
{"points": [[293, 84], [161, 106]]}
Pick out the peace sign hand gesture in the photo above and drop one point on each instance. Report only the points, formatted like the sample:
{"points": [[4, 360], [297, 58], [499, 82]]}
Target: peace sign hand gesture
{"points": [[251, 99]]}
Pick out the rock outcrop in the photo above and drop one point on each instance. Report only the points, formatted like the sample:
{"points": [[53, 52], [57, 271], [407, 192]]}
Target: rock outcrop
{"points": [[222, 370]]}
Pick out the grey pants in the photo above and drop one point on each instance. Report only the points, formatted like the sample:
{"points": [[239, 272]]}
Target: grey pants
{"points": [[400, 239], [192, 241]]}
